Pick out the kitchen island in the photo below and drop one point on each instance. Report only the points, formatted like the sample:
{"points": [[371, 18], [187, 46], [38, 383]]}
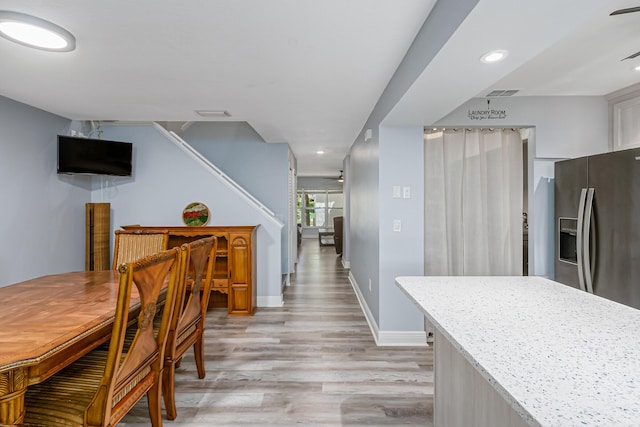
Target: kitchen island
{"points": [[517, 351]]}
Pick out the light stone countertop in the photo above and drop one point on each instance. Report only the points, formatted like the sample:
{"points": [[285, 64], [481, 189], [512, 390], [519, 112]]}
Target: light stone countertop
{"points": [[559, 356]]}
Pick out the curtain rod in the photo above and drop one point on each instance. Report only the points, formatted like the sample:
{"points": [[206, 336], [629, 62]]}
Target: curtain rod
{"points": [[456, 129]]}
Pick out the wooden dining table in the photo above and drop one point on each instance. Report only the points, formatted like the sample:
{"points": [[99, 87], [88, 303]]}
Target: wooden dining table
{"points": [[49, 322]]}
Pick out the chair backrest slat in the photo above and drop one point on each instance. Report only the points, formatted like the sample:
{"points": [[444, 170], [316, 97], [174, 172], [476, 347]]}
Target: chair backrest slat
{"points": [[132, 245], [197, 260]]}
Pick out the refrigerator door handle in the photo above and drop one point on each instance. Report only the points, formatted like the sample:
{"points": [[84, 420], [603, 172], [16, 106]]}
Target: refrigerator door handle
{"points": [[588, 214], [580, 238]]}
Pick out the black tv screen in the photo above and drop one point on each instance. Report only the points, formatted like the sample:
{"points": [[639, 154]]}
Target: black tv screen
{"points": [[93, 156]]}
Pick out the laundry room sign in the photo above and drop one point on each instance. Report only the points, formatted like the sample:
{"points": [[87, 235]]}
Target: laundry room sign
{"points": [[488, 113]]}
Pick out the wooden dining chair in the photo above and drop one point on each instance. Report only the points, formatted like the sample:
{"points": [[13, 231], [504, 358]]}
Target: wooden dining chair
{"points": [[131, 245], [197, 262], [101, 387]]}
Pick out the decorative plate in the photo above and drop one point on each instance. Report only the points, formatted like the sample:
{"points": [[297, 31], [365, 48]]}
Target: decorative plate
{"points": [[195, 214]]}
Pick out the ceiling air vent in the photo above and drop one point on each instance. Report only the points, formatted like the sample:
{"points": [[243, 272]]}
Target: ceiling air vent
{"points": [[508, 92], [213, 113]]}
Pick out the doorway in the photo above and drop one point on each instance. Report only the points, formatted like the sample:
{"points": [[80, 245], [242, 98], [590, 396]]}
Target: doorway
{"points": [[474, 201]]}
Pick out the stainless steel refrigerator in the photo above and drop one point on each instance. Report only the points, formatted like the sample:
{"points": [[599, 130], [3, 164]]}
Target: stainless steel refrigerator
{"points": [[597, 219]]}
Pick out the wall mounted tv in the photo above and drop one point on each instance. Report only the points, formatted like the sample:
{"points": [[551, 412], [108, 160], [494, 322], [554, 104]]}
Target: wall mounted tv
{"points": [[93, 156]]}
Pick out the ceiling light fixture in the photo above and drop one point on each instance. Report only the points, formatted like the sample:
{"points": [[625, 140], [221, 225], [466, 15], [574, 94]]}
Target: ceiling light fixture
{"points": [[34, 32], [341, 177], [494, 56], [637, 68], [320, 152], [213, 113]]}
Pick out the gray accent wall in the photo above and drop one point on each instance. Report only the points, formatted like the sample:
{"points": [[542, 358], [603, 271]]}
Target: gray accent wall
{"points": [[260, 168], [364, 223], [370, 176], [42, 214], [165, 179], [346, 239], [401, 253]]}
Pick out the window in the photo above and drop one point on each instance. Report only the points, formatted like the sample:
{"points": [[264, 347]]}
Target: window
{"points": [[317, 208]]}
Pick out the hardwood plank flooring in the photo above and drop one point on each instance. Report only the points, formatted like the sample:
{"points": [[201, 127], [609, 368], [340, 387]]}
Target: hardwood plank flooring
{"points": [[312, 362]]}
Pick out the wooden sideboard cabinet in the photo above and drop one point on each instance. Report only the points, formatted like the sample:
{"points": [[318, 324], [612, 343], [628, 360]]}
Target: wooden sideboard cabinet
{"points": [[234, 277]]}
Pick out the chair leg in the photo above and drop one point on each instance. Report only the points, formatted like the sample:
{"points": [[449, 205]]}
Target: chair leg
{"points": [[198, 353], [155, 408], [168, 390]]}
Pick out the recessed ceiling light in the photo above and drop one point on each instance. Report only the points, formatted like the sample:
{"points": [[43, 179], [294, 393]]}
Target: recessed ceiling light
{"points": [[637, 68], [320, 152], [34, 32], [493, 56]]}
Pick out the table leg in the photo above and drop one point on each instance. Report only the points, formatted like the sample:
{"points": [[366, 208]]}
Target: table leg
{"points": [[13, 386]]}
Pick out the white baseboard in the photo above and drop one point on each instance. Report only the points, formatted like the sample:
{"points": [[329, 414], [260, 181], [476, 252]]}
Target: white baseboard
{"points": [[346, 264], [365, 308], [270, 301], [402, 339], [387, 338]]}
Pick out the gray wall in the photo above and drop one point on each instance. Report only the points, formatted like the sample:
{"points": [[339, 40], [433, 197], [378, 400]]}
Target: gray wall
{"points": [[165, 180], [401, 253], [364, 223], [369, 178], [566, 126], [260, 168], [346, 239], [42, 215]]}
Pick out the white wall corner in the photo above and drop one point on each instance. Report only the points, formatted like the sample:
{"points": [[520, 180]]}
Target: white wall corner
{"points": [[270, 301]]}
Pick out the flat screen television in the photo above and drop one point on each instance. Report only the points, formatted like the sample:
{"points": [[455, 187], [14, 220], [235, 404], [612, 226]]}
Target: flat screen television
{"points": [[94, 156]]}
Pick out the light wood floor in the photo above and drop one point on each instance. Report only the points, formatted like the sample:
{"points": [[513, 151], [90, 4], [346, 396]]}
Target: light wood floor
{"points": [[312, 362]]}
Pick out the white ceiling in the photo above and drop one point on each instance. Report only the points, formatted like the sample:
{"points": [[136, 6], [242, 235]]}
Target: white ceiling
{"points": [[556, 48], [308, 72]]}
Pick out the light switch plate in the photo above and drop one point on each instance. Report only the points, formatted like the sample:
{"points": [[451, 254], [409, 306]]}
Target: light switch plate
{"points": [[406, 192], [397, 225], [396, 192]]}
